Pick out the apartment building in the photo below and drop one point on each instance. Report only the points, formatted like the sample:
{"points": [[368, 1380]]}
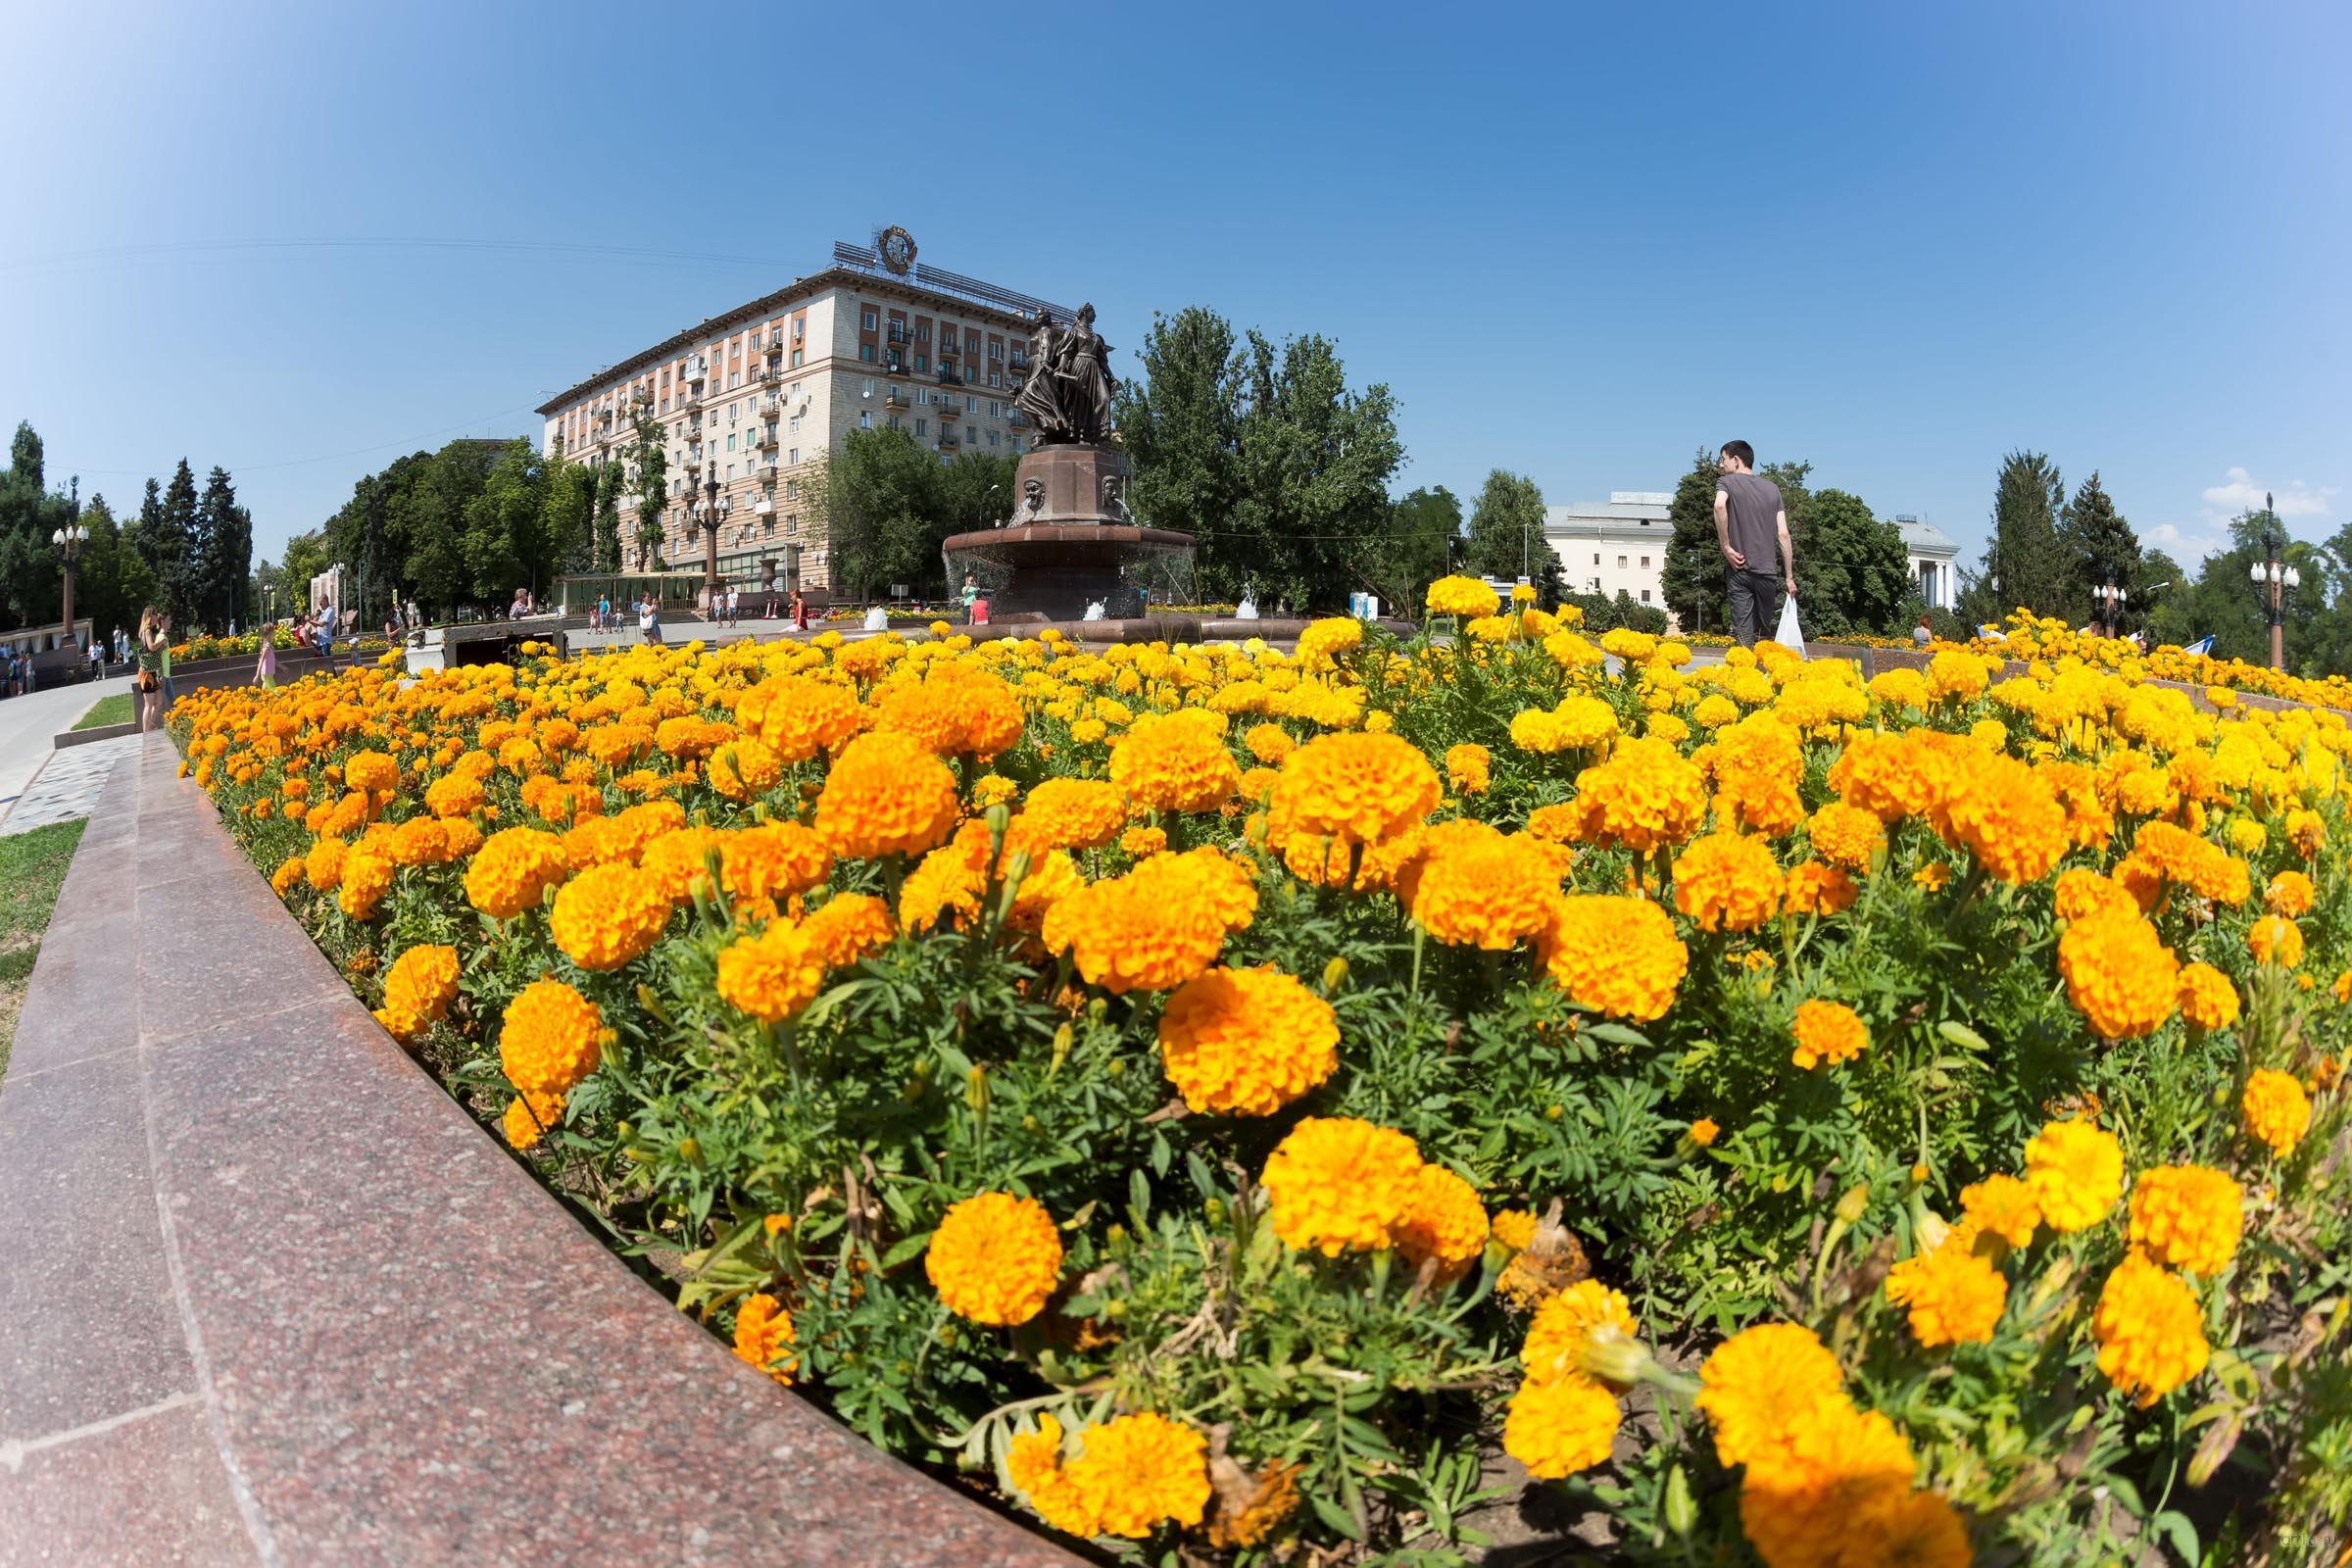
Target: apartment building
{"points": [[750, 401], [1613, 545]]}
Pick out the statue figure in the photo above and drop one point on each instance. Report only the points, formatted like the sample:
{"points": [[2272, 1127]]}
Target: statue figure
{"points": [[1111, 502], [1068, 396], [1032, 494]]}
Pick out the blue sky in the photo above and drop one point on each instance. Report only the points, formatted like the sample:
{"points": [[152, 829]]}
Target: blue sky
{"points": [[1575, 242]]}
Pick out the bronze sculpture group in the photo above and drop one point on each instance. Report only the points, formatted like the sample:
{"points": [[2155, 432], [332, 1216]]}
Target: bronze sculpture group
{"points": [[1068, 396]]}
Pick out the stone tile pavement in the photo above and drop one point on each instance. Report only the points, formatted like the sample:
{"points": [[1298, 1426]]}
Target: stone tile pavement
{"points": [[70, 783]]}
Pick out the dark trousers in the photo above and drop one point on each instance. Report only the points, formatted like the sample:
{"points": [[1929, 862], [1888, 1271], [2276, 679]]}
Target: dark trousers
{"points": [[1756, 598]]}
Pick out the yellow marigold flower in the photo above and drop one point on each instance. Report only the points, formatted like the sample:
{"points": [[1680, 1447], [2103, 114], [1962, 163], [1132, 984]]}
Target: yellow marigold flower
{"points": [[1322, 641], [324, 865], [1474, 887], [417, 990], [372, 771], [1144, 842], [1176, 762], [1246, 1042], [608, 916], [1513, 1228], [2003, 1206], [1033, 1462], [2150, 1330], [1845, 835], [2208, 997], [1814, 1497], [1954, 1295], [1617, 955], [1467, 767], [1556, 1429], [773, 974], [514, 869], [366, 879], [1704, 1132], [2277, 1110], [1137, 1471], [744, 768], [1462, 596], [1728, 882], [1955, 675], [995, 1258], [1568, 1321], [1934, 876], [2004, 814], [1338, 1184], [1760, 1379], [1445, 1222], [1072, 813], [886, 794], [1645, 796], [2306, 830], [1827, 1031], [1156, 927], [2187, 1216], [287, 877], [1269, 743], [847, 927], [763, 1337], [1355, 787], [2275, 939], [2077, 1173], [2119, 973], [1817, 889], [530, 1118], [553, 1037], [2289, 894]]}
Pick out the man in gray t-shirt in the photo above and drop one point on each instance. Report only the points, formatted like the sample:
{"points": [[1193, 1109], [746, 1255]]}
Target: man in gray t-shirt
{"points": [[1752, 527]]}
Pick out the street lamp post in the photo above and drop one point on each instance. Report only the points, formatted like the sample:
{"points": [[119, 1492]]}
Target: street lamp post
{"points": [[70, 539], [2110, 599], [2274, 583], [712, 518]]}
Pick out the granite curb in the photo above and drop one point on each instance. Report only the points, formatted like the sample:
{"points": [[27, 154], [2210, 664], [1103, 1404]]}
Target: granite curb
{"points": [[273, 1298]]}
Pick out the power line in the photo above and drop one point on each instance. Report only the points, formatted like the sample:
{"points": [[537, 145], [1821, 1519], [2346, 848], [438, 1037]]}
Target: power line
{"points": [[362, 243]]}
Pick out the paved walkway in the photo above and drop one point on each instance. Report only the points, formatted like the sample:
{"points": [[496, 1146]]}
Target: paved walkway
{"points": [[27, 724], [270, 1297], [69, 784]]}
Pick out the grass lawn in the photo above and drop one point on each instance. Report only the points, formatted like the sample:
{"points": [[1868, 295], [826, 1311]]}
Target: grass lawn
{"points": [[114, 710], [33, 867]]}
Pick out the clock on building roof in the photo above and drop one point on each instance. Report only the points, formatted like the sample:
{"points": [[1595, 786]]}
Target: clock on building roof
{"points": [[896, 247]]}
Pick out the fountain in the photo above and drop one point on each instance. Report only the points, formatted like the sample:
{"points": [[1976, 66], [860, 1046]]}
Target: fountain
{"points": [[1070, 544]]}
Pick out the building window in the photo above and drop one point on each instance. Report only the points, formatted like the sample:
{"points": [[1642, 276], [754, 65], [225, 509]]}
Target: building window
{"points": [[795, 359], [1645, 563], [992, 438], [1597, 561], [866, 320], [918, 427], [1645, 596], [865, 351], [1620, 563], [867, 386], [995, 378], [865, 419], [922, 363], [734, 380]]}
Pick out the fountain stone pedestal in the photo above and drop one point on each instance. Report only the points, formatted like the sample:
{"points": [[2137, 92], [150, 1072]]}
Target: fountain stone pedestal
{"points": [[1069, 542]]}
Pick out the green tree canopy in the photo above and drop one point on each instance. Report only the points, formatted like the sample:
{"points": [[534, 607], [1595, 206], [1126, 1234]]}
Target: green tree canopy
{"points": [[1691, 580], [1407, 552], [223, 556], [1506, 528], [885, 512], [2024, 565], [1853, 575], [2098, 546]]}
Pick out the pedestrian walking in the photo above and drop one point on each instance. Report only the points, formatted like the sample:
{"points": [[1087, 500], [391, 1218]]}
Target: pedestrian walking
{"points": [[264, 669], [649, 624], [1752, 527], [149, 686]]}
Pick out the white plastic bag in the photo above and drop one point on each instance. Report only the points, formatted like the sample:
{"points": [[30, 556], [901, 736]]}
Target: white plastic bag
{"points": [[1789, 636]]}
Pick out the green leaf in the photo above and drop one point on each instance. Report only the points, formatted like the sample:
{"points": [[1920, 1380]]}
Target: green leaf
{"points": [[2176, 1527], [906, 1247], [1961, 1035]]}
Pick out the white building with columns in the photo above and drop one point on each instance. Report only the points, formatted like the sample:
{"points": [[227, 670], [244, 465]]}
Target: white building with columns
{"points": [[1935, 562]]}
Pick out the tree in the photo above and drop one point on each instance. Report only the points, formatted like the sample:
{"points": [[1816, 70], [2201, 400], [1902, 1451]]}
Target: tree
{"points": [[507, 544], [1408, 550], [1692, 580], [976, 491], [111, 584], [2024, 566], [167, 543], [225, 554], [567, 515], [1853, 575], [31, 566], [605, 553], [882, 503], [1506, 528], [2099, 548], [649, 463], [1180, 425]]}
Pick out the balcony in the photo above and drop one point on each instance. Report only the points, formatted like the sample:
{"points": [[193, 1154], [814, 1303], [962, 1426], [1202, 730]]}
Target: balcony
{"points": [[947, 438], [775, 346], [897, 334], [894, 366], [697, 369], [765, 440], [947, 375], [895, 398]]}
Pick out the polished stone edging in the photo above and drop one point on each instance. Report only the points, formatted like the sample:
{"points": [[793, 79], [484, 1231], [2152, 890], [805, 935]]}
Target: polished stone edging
{"points": [[272, 1296]]}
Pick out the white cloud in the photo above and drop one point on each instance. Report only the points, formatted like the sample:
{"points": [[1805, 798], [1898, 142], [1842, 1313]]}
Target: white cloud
{"points": [[2189, 547], [2241, 493]]}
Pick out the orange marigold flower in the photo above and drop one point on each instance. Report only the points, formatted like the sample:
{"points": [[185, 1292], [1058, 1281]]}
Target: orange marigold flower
{"points": [[1445, 1223], [799, 716], [1556, 1429], [1566, 1324], [514, 869], [2187, 1216], [552, 1038], [2208, 997], [1814, 1496], [1617, 955], [2289, 894], [529, 1117], [1176, 762], [1246, 1042], [1728, 882], [886, 794], [2119, 973], [2150, 1330], [1474, 887], [763, 1337], [995, 1258], [2277, 1110], [419, 987], [1645, 796], [1704, 1132], [771, 975], [1846, 835], [744, 768], [366, 879], [1072, 813], [847, 927], [1817, 889], [1338, 1184], [2275, 939], [2075, 1173], [608, 916], [1156, 927], [1828, 1031], [1955, 1297], [1355, 787], [2003, 1206], [1757, 1381], [1467, 767]]}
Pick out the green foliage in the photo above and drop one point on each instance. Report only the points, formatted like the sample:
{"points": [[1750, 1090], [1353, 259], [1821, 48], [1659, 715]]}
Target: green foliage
{"points": [[1693, 580], [2026, 565], [2099, 549], [33, 869], [649, 468], [1408, 550], [1506, 528], [1853, 574], [1263, 452], [886, 507], [223, 555]]}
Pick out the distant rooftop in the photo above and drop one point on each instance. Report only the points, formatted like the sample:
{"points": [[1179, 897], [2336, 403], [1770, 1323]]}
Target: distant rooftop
{"points": [[1925, 538], [1625, 512]]}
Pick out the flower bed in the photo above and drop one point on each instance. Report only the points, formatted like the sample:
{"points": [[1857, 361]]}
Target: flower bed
{"points": [[1220, 1097]]}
